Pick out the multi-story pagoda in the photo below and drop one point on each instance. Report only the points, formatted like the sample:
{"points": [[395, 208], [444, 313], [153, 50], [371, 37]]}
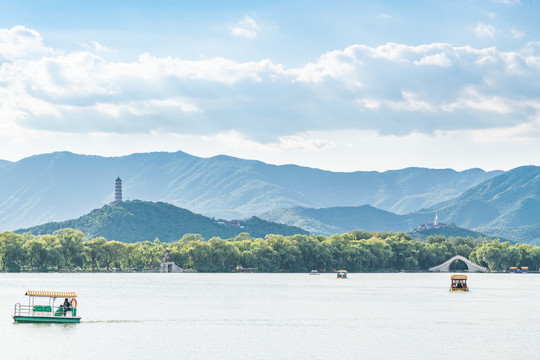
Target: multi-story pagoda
{"points": [[118, 191]]}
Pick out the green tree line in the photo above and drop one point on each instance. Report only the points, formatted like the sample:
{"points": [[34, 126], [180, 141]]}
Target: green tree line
{"points": [[357, 251]]}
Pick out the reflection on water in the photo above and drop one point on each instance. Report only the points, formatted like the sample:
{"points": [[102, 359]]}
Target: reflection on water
{"points": [[278, 316]]}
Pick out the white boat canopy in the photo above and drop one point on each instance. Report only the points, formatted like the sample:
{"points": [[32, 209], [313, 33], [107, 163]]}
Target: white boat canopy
{"points": [[64, 294]]}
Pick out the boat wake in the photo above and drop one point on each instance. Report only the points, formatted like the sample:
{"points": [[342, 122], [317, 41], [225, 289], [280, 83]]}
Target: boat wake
{"points": [[110, 321]]}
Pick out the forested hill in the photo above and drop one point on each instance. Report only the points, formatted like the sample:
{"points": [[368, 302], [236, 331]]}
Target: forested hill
{"points": [[135, 221], [450, 232], [60, 186]]}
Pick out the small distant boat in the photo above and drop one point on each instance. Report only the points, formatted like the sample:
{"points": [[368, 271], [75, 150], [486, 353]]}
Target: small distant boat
{"points": [[244, 270], [314, 272], [458, 283], [46, 311], [342, 274]]}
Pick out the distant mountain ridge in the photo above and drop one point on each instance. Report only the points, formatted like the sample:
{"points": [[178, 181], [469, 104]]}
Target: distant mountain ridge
{"points": [[506, 206], [135, 221], [62, 185], [339, 220]]}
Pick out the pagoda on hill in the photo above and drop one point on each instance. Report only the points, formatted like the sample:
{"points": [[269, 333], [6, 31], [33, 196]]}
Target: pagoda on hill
{"points": [[117, 192], [436, 224]]}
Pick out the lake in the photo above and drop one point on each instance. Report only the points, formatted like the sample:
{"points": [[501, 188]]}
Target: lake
{"points": [[278, 316]]}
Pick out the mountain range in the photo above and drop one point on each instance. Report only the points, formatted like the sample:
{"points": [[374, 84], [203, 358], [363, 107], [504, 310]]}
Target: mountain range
{"points": [[339, 220], [62, 185], [505, 206], [342, 219]]}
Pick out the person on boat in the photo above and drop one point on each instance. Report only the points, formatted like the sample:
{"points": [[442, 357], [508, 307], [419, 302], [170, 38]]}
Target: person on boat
{"points": [[66, 306]]}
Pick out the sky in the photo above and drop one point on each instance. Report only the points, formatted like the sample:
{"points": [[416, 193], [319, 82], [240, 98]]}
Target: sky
{"points": [[341, 86]]}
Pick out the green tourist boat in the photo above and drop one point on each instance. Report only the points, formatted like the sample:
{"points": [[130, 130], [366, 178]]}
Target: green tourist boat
{"points": [[47, 312]]}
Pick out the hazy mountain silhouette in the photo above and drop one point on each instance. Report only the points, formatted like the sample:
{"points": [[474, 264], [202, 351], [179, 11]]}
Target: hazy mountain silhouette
{"points": [[506, 206], [62, 185], [339, 220]]}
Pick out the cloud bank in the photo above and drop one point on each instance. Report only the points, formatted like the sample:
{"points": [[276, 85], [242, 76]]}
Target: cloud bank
{"points": [[393, 89]]}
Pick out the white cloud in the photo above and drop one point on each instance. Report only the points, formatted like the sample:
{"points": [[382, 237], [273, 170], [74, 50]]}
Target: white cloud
{"points": [[217, 69], [304, 142], [409, 102], [515, 34], [391, 88], [98, 47], [339, 65], [301, 143], [20, 42], [247, 28], [471, 98], [437, 60], [144, 108], [484, 31]]}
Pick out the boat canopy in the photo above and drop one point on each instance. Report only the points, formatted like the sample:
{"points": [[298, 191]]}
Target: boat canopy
{"points": [[459, 277], [64, 294], [342, 271]]}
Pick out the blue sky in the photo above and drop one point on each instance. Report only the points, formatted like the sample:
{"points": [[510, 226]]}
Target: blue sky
{"points": [[343, 86]]}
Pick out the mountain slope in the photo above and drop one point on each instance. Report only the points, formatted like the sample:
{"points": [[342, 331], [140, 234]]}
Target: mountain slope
{"points": [[508, 200], [338, 220], [134, 221], [521, 234], [507, 205], [60, 186]]}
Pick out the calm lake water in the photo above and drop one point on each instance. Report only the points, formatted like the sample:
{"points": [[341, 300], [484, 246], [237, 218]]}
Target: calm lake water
{"points": [[279, 316]]}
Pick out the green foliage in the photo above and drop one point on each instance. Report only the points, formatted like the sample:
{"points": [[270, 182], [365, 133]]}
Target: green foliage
{"points": [[12, 252], [448, 231], [358, 251]]}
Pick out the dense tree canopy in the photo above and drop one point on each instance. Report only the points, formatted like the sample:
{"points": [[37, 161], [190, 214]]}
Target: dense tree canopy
{"points": [[357, 251]]}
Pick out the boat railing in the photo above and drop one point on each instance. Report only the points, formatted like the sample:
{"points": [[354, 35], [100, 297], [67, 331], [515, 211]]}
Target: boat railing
{"points": [[42, 311], [22, 310]]}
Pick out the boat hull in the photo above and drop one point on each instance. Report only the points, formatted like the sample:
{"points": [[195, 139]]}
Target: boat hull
{"points": [[46, 319]]}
